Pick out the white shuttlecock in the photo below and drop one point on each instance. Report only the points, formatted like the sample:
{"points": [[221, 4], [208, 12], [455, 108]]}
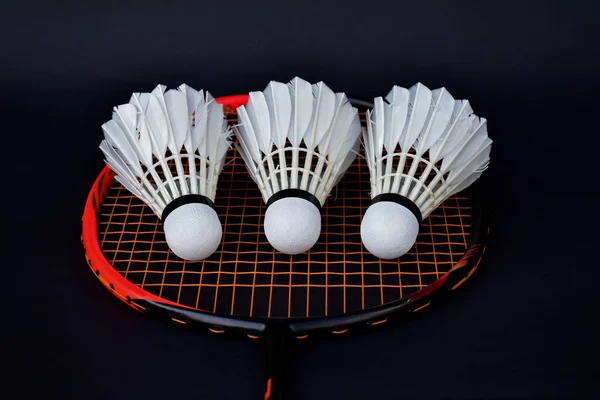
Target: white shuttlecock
{"points": [[168, 127], [297, 140], [434, 147]]}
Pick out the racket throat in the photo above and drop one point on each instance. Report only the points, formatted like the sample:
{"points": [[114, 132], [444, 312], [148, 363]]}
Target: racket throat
{"points": [[277, 362]]}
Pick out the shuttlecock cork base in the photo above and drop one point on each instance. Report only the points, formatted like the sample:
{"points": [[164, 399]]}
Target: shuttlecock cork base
{"points": [[293, 221], [390, 225], [192, 227]]}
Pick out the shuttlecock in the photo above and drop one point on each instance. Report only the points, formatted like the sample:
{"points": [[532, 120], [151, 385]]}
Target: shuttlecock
{"points": [[163, 128], [434, 147], [297, 140]]}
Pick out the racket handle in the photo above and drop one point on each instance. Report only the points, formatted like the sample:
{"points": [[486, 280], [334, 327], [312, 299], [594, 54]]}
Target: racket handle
{"points": [[276, 364]]}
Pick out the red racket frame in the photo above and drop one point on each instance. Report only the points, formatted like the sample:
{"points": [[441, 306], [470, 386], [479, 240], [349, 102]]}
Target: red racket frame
{"points": [[275, 330]]}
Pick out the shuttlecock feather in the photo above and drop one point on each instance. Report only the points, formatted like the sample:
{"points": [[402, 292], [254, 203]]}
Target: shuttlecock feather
{"points": [[297, 140], [163, 128], [434, 148]]}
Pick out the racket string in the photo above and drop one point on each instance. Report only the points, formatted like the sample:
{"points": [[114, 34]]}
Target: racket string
{"points": [[246, 277]]}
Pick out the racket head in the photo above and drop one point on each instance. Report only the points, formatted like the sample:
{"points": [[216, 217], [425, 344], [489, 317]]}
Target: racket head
{"points": [[247, 287]]}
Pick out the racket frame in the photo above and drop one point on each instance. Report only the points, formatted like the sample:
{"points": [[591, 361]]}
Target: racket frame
{"points": [[277, 331]]}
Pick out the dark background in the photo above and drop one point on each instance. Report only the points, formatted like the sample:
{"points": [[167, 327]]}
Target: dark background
{"points": [[524, 326]]}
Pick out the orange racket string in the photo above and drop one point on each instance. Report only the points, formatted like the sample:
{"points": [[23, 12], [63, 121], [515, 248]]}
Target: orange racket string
{"points": [[247, 278]]}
